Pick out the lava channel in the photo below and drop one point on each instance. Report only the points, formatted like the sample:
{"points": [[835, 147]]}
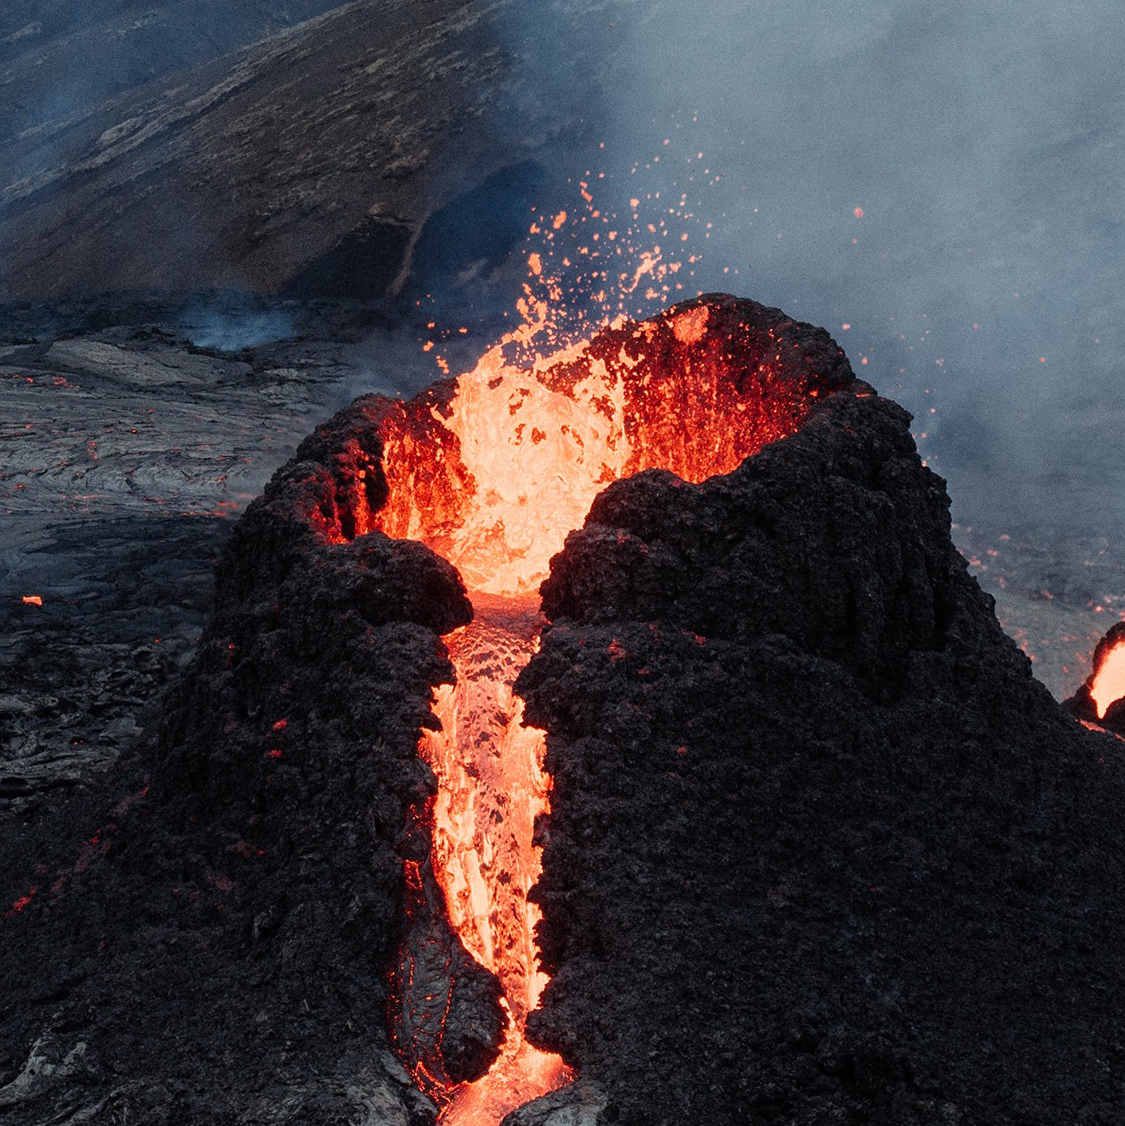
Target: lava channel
{"points": [[491, 788], [491, 471]]}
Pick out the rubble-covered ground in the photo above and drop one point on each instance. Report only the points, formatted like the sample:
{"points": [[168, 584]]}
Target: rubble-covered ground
{"points": [[125, 452]]}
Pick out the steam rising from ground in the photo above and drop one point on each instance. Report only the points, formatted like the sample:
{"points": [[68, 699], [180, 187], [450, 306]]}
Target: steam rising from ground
{"points": [[937, 187], [943, 181], [984, 146]]}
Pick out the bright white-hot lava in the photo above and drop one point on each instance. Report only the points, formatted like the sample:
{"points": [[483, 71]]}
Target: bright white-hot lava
{"points": [[492, 471], [538, 457], [1109, 680]]}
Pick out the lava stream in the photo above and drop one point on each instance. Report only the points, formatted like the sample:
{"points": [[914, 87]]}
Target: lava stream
{"points": [[491, 788]]}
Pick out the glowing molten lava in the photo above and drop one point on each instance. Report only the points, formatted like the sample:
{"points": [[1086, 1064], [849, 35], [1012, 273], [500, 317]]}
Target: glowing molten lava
{"points": [[510, 458], [1109, 679], [491, 789], [491, 471]]}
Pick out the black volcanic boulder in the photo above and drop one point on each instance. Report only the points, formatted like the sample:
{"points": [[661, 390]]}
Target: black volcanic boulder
{"points": [[820, 849]]}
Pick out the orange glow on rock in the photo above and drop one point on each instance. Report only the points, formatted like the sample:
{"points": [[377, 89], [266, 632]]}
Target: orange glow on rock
{"points": [[1109, 680], [32, 600], [491, 470], [20, 904]]}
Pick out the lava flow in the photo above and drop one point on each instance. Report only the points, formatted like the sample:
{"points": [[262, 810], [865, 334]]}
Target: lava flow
{"points": [[491, 471], [491, 789]]}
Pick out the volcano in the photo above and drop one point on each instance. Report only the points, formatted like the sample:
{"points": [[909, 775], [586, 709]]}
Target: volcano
{"points": [[756, 816]]}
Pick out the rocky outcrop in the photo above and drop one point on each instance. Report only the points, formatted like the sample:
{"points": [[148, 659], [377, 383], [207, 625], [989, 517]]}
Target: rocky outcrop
{"points": [[577, 1104], [820, 849], [308, 162]]}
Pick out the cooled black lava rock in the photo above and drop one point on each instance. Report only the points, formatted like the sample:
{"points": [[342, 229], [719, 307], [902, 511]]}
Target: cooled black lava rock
{"points": [[820, 849]]}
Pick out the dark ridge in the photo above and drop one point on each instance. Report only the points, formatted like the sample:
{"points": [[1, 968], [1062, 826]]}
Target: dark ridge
{"points": [[360, 267]]}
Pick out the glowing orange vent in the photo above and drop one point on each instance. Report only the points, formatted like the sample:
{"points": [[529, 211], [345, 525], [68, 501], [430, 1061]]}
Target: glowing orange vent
{"points": [[510, 461], [491, 471]]}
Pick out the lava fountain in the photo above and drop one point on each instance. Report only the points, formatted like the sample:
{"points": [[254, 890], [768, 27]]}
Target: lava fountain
{"points": [[1109, 680], [491, 470]]}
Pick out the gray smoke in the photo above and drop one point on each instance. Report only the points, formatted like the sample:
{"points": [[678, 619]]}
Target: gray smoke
{"points": [[984, 145]]}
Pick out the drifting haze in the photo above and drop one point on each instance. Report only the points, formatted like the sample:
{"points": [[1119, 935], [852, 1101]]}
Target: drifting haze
{"points": [[983, 145], [947, 182]]}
